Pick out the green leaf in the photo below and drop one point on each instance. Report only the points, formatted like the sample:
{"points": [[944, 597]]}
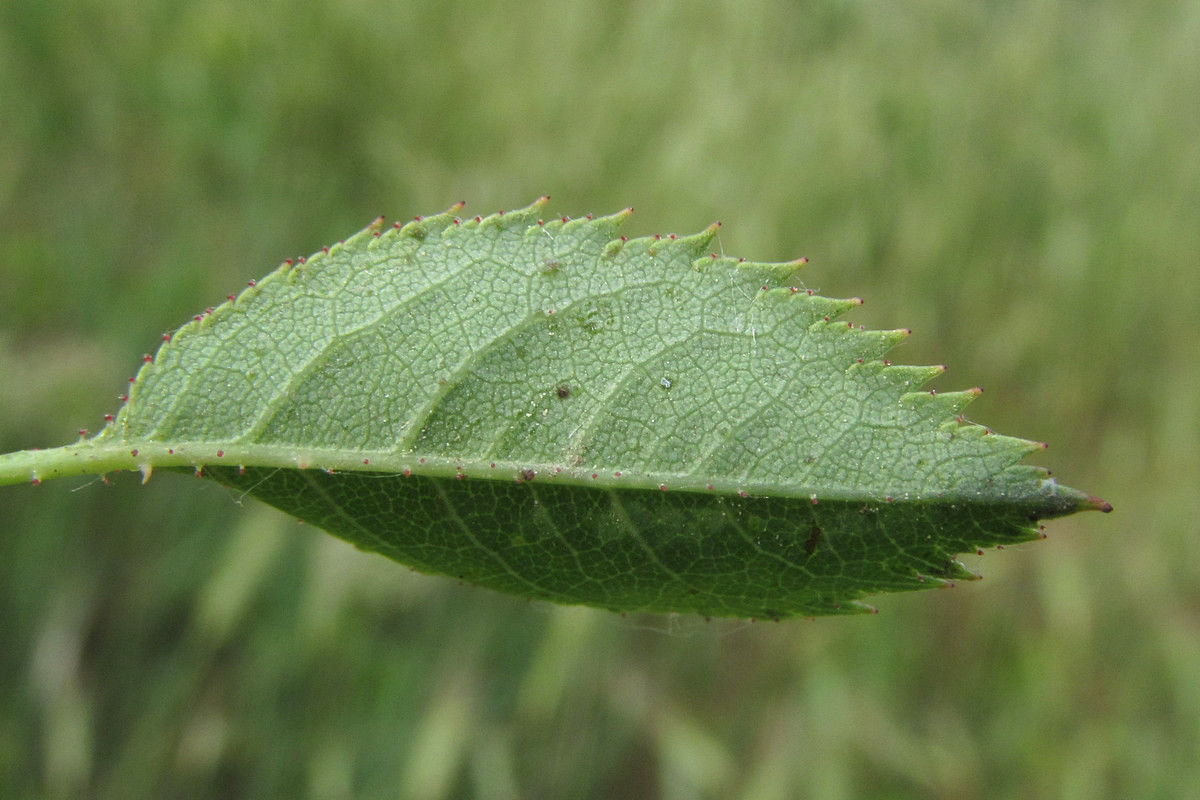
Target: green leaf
{"points": [[546, 409]]}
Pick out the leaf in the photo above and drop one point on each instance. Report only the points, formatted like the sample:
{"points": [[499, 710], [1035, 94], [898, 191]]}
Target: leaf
{"points": [[546, 409]]}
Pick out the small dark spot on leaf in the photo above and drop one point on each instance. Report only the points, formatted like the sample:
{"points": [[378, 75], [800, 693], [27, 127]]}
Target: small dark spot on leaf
{"points": [[814, 537], [563, 391]]}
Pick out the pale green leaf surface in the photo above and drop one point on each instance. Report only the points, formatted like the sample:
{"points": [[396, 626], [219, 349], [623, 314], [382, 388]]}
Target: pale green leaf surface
{"points": [[546, 409]]}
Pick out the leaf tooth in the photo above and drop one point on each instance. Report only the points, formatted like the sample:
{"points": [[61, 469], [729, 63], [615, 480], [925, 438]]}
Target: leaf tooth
{"points": [[692, 247], [1026, 446], [957, 571], [780, 273], [1018, 534], [608, 225], [447, 222], [802, 313], [1047, 498], [315, 260], [860, 349], [935, 405], [875, 344], [421, 228], [908, 376], [614, 248], [363, 237], [554, 224], [959, 400], [517, 217], [718, 262], [831, 307], [968, 430], [650, 245], [370, 235], [850, 607], [588, 222], [415, 228]]}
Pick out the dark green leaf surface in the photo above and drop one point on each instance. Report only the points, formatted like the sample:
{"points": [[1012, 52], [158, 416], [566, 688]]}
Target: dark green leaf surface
{"points": [[544, 408]]}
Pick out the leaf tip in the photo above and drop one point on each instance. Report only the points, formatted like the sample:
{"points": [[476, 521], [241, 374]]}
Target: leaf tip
{"points": [[1094, 503]]}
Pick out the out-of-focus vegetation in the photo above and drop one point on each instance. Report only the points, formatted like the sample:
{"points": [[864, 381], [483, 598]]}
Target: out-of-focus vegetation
{"points": [[1019, 182]]}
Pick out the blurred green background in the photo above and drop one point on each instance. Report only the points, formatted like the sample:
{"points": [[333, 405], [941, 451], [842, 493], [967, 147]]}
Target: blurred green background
{"points": [[1019, 182]]}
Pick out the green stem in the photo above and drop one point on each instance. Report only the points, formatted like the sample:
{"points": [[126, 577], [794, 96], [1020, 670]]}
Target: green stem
{"points": [[84, 458]]}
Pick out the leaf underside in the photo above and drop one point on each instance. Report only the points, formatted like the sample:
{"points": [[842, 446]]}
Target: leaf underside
{"points": [[546, 409]]}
